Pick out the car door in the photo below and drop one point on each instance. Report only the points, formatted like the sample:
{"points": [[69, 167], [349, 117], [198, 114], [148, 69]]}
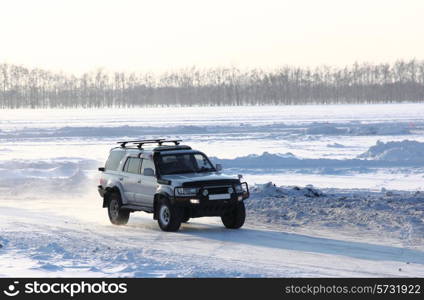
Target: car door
{"points": [[131, 178], [148, 183]]}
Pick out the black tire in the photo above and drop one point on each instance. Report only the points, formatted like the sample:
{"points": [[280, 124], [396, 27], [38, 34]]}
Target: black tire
{"points": [[117, 216], [235, 218], [169, 216]]}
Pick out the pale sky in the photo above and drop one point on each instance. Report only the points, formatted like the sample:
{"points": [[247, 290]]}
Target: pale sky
{"points": [[157, 35]]}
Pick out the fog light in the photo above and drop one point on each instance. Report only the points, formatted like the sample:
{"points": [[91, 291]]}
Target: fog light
{"points": [[205, 192], [239, 198], [194, 201]]}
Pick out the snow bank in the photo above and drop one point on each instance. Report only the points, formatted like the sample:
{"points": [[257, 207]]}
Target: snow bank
{"points": [[47, 176], [404, 151], [392, 213], [53, 168], [358, 129], [278, 129], [390, 154], [380, 129], [265, 160], [325, 129], [271, 190], [335, 145]]}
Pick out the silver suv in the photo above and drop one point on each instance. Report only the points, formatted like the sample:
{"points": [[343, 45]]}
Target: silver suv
{"points": [[172, 181]]}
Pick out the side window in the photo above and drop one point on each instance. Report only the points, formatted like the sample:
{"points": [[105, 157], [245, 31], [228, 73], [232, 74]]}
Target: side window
{"points": [[148, 164], [201, 162], [132, 165], [114, 159]]}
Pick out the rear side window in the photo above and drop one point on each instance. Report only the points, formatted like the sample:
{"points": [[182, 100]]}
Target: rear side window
{"points": [[132, 165], [114, 159]]}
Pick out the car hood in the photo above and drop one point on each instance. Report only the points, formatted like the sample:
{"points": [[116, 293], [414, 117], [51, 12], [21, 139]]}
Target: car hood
{"points": [[179, 179]]}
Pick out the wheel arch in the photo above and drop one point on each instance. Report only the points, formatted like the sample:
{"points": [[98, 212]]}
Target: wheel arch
{"points": [[110, 190], [156, 199]]}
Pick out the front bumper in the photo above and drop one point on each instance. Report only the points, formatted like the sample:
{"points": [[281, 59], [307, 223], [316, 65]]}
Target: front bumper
{"points": [[200, 205]]}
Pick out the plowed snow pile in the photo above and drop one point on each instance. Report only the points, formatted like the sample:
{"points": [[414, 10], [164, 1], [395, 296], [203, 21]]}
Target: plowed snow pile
{"points": [[393, 214], [389, 154], [404, 151]]}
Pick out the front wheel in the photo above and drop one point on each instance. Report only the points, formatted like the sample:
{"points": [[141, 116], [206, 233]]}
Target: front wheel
{"points": [[169, 216], [117, 215], [234, 219]]}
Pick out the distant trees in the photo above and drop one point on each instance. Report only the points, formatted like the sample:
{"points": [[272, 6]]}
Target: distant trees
{"points": [[401, 81]]}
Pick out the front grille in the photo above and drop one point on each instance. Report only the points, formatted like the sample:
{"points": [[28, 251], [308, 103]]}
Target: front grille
{"points": [[220, 182], [217, 190]]}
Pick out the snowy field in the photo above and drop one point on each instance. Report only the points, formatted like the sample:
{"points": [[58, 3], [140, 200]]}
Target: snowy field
{"points": [[346, 198]]}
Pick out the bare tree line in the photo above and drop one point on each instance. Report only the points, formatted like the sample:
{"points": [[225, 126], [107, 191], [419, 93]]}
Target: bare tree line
{"points": [[401, 81]]}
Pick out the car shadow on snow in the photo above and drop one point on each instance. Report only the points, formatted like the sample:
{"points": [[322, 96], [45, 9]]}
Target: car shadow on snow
{"points": [[299, 242]]}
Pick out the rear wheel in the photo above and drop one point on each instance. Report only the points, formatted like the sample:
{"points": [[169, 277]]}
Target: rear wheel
{"points": [[117, 215], [169, 216], [234, 219]]}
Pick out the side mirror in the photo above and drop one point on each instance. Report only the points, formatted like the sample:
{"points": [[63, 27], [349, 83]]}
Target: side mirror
{"points": [[148, 172], [101, 169], [218, 167]]}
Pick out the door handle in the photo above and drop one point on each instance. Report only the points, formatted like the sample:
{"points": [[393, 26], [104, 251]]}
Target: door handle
{"points": [[139, 181], [121, 178]]}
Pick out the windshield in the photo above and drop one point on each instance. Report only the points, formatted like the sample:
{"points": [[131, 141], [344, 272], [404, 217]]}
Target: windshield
{"points": [[184, 163]]}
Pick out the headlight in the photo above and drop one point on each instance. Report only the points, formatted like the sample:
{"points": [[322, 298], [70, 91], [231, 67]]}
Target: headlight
{"points": [[239, 188], [186, 191]]}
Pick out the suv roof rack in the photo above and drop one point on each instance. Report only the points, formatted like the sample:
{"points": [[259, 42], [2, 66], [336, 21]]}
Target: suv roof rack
{"points": [[171, 148], [140, 143]]}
